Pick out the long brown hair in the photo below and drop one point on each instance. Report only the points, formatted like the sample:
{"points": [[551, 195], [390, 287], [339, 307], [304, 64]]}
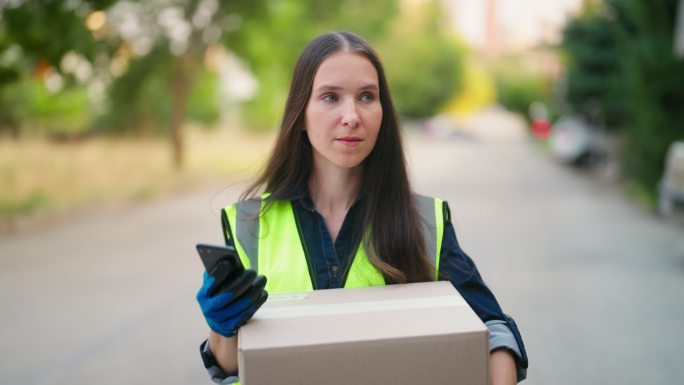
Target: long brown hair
{"points": [[395, 244]]}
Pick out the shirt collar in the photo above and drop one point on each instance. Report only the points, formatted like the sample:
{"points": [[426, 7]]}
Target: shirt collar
{"points": [[302, 197]]}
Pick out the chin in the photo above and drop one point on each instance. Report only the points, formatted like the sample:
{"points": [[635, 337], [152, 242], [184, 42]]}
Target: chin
{"points": [[350, 163]]}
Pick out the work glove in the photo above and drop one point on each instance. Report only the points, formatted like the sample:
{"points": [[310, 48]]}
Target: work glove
{"points": [[229, 297]]}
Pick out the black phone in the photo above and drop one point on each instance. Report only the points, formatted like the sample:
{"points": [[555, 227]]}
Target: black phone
{"points": [[215, 256]]}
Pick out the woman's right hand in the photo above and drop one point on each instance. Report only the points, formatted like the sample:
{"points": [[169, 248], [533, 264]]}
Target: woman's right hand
{"points": [[230, 303]]}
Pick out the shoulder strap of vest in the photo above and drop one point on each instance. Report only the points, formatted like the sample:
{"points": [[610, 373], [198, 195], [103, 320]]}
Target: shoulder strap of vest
{"points": [[247, 228], [430, 212]]}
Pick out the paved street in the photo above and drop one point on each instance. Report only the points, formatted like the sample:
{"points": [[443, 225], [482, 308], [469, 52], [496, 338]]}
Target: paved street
{"points": [[595, 284]]}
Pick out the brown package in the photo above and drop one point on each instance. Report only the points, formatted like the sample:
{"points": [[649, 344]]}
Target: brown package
{"points": [[420, 333]]}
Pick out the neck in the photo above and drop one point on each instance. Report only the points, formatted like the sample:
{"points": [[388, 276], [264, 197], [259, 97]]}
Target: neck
{"points": [[334, 190]]}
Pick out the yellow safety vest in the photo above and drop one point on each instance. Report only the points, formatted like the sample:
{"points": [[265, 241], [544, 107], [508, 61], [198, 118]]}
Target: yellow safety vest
{"points": [[270, 243]]}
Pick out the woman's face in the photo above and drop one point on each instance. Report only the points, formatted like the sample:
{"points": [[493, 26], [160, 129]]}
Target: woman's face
{"points": [[343, 115]]}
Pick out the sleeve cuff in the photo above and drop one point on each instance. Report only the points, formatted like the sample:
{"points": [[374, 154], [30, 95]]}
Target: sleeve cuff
{"points": [[501, 336], [215, 372]]}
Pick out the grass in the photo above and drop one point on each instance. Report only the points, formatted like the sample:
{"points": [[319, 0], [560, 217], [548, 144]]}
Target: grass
{"points": [[641, 195], [39, 176]]}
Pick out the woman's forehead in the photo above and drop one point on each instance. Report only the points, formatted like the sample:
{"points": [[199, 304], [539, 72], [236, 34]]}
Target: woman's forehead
{"points": [[345, 69]]}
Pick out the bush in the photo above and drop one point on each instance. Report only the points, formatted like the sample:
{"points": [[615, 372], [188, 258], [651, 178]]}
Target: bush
{"points": [[641, 89], [592, 44], [517, 91], [423, 61], [203, 102], [654, 94], [27, 104], [139, 101], [424, 72]]}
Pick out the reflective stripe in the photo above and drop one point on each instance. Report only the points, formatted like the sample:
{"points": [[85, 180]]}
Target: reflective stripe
{"points": [[279, 255], [247, 228], [430, 211], [426, 211], [231, 215]]}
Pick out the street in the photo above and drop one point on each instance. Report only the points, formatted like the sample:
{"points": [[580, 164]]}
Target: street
{"points": [[594, 282]]}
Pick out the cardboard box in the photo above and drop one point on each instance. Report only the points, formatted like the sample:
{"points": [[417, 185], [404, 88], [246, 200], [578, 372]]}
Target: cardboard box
{"points": [[420, 333]]}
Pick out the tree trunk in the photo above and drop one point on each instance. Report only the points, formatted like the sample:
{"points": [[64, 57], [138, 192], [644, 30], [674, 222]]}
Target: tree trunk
{"points": [[182, 81]]}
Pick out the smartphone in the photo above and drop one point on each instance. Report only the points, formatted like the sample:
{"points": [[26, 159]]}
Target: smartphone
{"points": [[213, 256]]}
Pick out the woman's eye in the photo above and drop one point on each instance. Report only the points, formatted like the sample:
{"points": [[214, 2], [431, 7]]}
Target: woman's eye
{"points": [[367, 97], [330, 98]]}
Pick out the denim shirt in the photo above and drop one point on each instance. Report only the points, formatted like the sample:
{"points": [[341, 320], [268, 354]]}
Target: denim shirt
{"points": [[329, 263]]}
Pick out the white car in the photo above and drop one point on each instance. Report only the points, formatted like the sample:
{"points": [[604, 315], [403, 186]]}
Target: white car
{"points": [[671, 188], [574, 141]]}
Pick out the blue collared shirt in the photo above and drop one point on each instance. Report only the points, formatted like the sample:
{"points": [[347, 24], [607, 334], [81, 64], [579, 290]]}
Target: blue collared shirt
{"points": [[329, 264]]}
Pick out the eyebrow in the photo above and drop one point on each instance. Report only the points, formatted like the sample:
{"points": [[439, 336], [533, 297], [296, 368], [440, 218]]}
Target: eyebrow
{"points": [[328, 87]]}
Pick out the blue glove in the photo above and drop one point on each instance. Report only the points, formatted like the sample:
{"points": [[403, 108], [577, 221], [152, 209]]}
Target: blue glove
{"points": [[231, 301]]}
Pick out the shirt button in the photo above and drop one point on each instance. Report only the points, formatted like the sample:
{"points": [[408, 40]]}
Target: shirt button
{"points": [[334, 270]]}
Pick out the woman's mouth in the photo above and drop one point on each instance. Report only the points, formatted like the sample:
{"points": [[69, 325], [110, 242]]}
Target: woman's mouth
{"points": [[350, 141]]}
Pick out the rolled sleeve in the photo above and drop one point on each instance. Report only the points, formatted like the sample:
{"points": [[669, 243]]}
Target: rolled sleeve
{"points": [[501, 336], [457, 267]]}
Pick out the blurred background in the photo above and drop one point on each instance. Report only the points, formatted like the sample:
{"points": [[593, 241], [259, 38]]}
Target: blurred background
{"points": [[554, 128]]}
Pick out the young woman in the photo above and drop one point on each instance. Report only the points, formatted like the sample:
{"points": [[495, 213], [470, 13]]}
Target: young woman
{"points": [[338, 211]]}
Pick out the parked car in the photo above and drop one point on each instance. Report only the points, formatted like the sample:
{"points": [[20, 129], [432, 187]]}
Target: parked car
{"points": [[671, 187], [574, 141]]}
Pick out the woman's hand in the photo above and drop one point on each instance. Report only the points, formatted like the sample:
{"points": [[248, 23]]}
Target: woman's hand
{"points": [[229, 304]]}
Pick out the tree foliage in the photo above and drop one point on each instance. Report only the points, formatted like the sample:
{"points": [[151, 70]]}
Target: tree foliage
{"points": [[621, 58], [424, 63], [271, 43], [46, 30], [593, 45], [146, 61], [34, 37]]}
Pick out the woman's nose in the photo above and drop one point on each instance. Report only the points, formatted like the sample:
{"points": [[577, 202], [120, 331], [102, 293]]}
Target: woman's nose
{"points": [[350, 116]]}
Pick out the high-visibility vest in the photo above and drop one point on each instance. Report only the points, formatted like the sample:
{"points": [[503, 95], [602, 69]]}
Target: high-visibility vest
{"points": [[269, 242]]}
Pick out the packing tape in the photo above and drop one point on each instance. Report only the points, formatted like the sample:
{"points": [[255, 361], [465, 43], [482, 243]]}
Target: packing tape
{"points": [[358, 307]]}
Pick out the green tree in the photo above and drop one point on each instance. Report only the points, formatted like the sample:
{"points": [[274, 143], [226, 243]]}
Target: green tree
{"points": [[165, 59], [652, 87], [268, 35], [593, 45], [518, 89], [28, 47], [424, 63], [271, 44], [621, 55], [150, 54]]}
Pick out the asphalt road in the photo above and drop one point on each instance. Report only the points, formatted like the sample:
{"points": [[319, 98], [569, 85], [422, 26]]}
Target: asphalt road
{"points": [[595, 283]]}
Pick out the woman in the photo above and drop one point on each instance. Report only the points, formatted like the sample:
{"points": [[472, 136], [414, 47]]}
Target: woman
{"points": [[339, 210]]}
